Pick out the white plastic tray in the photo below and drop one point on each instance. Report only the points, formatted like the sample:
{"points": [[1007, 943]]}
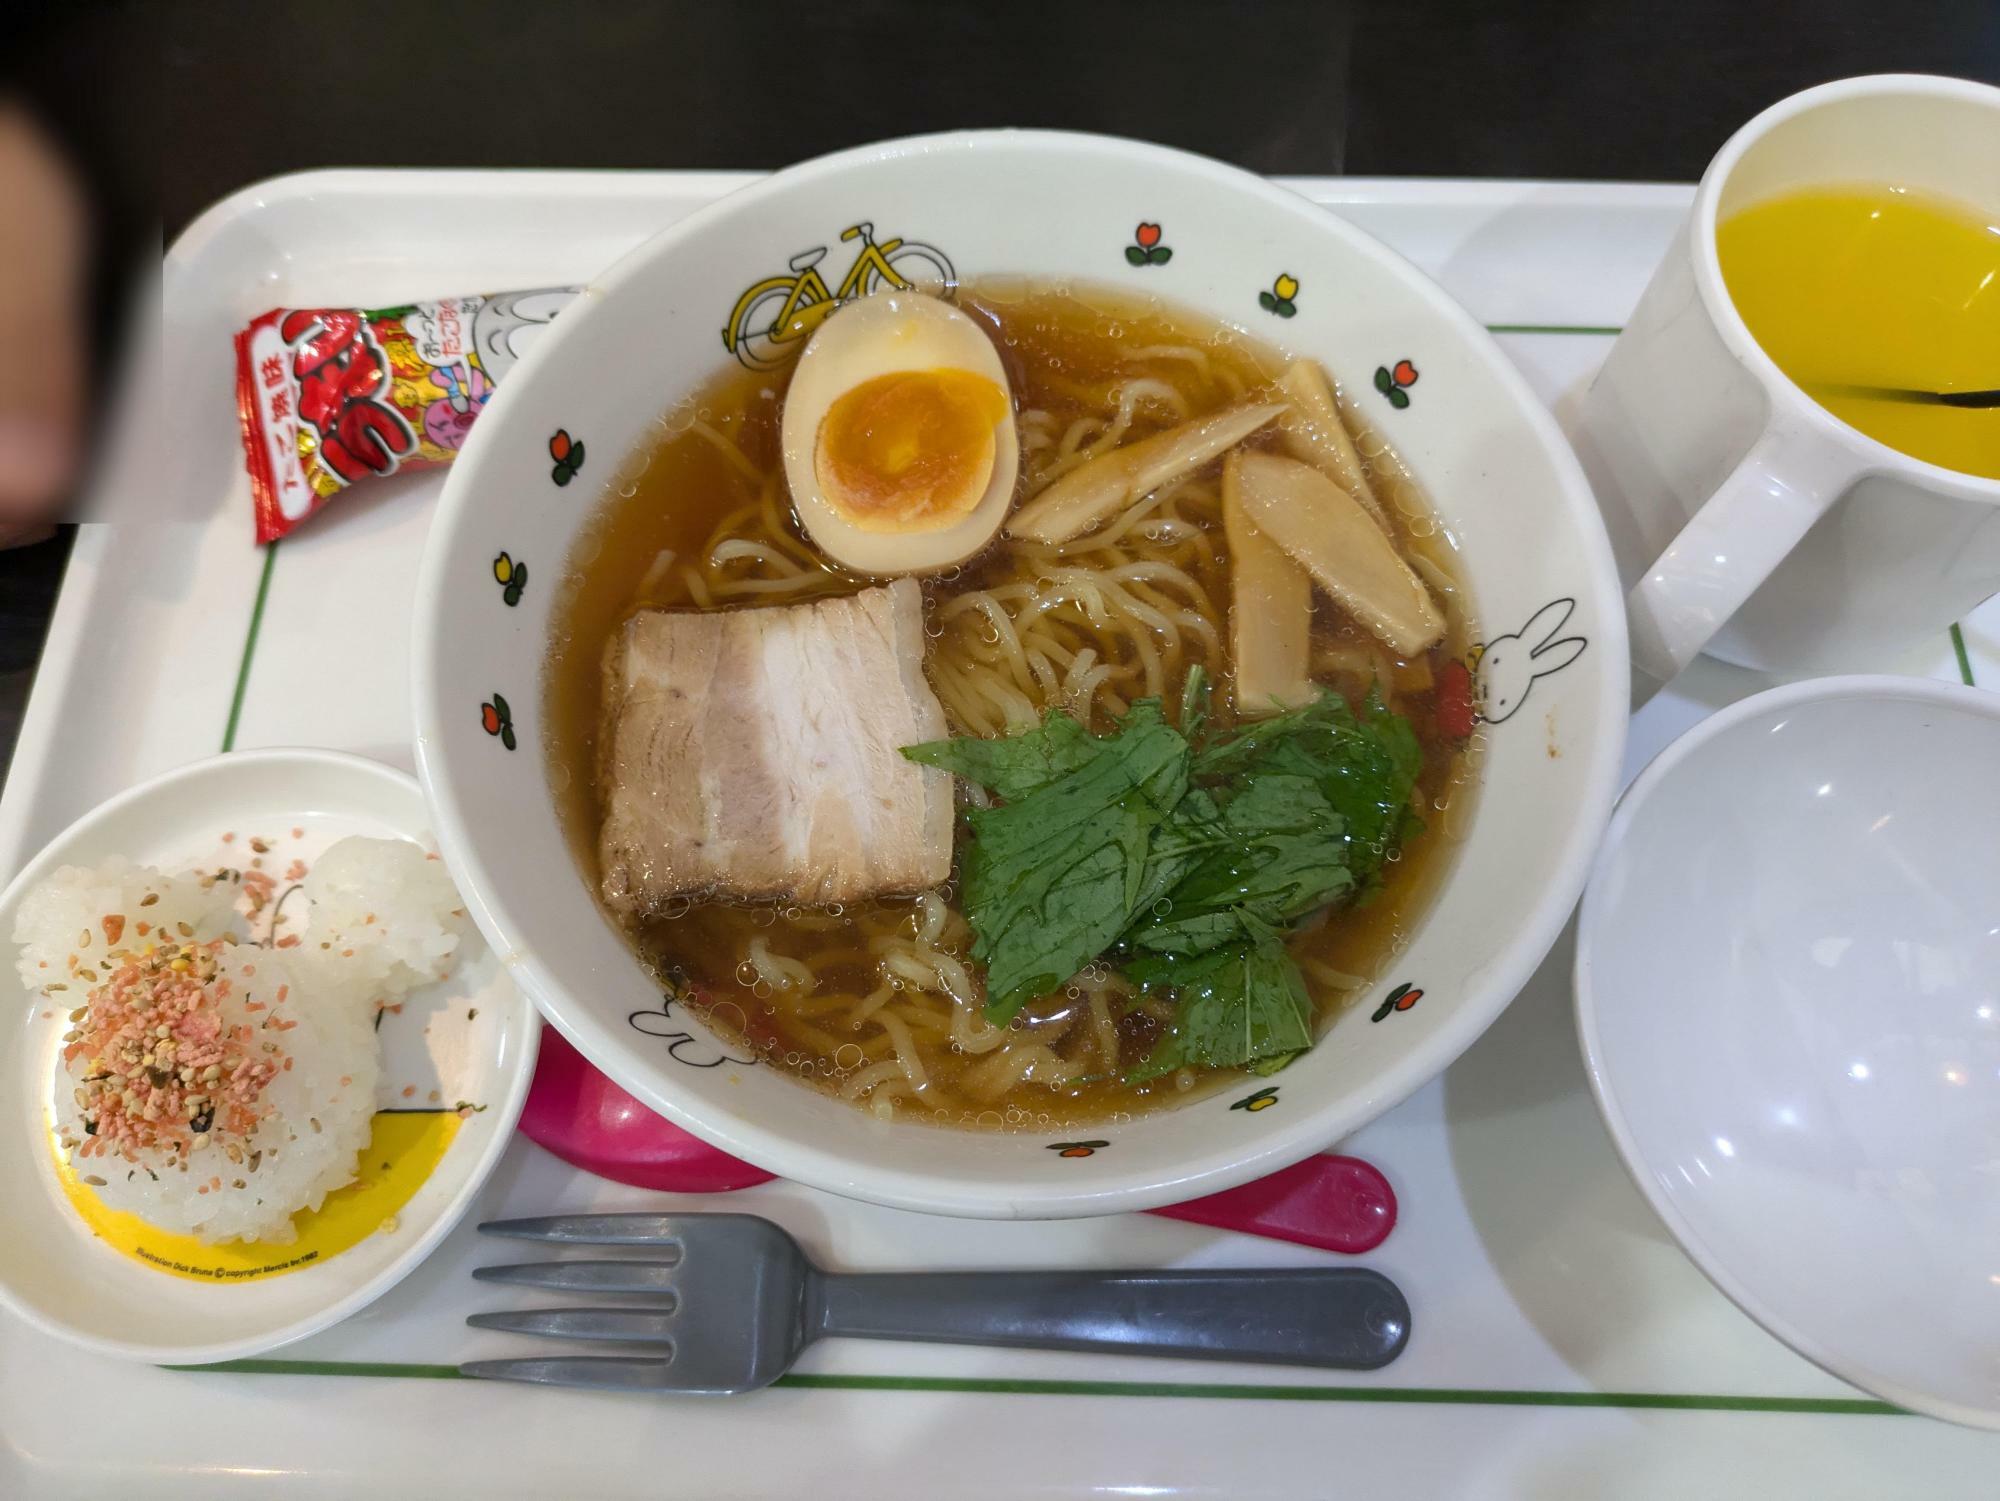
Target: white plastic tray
{"points": [[1562, 1347]]}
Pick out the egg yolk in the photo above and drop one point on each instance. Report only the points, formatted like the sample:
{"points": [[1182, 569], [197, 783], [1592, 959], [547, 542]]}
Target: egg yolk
{"points": [[910, 450]]}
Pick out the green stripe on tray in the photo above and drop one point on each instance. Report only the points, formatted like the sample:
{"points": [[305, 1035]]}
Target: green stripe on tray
{"points": [[1238, 1392], [1964, 657], [249, 646], [327, 1368], [1601, 330]]}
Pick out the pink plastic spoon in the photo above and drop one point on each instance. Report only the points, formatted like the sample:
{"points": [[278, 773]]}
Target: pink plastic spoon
{"points": [[1333, 1203], [589, 1122]]}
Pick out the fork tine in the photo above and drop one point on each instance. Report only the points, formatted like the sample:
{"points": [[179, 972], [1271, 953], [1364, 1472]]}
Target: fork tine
{"points": [[591, 1229], [651, 1325], [584, 1276], [609, 1373]]}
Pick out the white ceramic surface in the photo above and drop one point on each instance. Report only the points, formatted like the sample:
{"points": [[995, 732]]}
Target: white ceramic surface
{"points": [[1788, 991], [1747, 519], [54, 1272], [1054, 206]]}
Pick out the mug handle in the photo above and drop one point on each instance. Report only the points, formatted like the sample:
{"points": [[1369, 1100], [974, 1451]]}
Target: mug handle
{"points": [[1790, 478]]}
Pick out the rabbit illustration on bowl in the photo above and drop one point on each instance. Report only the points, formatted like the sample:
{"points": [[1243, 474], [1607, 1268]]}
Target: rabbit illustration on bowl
{"points": [[1508, 665]]}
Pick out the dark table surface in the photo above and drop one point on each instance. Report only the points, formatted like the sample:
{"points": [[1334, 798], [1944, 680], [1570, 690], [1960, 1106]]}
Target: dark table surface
{"points": [[224, 94]]}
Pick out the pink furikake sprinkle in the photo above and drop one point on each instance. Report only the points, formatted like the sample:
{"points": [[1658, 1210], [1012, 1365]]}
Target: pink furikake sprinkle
{"points": [[159, 1067], [259, 885]]}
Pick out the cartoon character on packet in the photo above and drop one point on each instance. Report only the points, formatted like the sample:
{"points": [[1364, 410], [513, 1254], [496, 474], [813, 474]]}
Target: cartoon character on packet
{"points": [[506, 324], [448, 420]]}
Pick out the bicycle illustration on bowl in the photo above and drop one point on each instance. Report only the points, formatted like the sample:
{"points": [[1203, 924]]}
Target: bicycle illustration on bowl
{"points": [[779, 311]]}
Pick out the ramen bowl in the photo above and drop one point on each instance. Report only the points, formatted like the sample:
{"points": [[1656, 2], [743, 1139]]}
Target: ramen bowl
{"points": [[1060, 210]]}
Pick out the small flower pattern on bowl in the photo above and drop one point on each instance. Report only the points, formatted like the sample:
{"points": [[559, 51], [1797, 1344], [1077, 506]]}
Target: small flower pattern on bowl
{"points": [[568, 455], [1076, 1148], [1402, 998], [512, 578], [1394, 381], [497, 719], [1263, 1099], [1146, 249], [1281, 297]]}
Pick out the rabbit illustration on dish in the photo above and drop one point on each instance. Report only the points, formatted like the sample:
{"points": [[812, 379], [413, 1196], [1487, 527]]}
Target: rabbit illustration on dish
{"points": [[1509, 665], [684, 1045]]}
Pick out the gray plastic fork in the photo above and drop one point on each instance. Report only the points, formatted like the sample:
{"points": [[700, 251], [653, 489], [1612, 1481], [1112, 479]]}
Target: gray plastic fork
{"points": [[732, 1300]]}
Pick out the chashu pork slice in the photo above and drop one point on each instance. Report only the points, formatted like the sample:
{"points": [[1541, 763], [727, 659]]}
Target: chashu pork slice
{"points": [[758, 752]]}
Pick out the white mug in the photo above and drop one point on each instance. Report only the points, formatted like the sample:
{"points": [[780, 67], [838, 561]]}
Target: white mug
{"points": [[1748, 521]]}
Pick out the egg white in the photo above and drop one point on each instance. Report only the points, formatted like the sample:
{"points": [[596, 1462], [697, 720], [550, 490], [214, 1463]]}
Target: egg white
{"points": [[880, 335]]}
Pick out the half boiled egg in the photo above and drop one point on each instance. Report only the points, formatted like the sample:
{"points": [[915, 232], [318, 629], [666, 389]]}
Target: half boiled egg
{"points": [[899, 436]]}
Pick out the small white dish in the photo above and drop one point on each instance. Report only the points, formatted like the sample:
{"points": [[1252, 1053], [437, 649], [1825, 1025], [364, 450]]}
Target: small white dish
{"points": [[1788, 995], [55, 1271]]}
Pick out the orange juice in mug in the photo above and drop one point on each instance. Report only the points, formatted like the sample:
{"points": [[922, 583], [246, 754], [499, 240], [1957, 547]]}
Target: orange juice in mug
{"points": [[1853, 287], [1761, 507]]}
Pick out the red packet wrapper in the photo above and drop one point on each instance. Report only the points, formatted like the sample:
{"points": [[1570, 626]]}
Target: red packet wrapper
{"points": [[332, 396]]}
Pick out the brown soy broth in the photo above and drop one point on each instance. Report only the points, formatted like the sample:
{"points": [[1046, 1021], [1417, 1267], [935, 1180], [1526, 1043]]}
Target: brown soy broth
{"points": [[1059, 348]]}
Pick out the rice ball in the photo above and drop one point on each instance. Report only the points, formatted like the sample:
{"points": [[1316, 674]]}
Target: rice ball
{"points": [[214, 1086], [384, 916]]}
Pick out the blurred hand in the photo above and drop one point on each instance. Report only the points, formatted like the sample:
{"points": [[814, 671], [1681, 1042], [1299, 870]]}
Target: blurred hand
{"points": [[44, 254]]}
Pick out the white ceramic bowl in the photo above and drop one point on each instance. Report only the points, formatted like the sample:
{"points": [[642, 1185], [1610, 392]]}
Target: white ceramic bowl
{"points": [[1788, 990], [1060, 207], [54, 1272]]}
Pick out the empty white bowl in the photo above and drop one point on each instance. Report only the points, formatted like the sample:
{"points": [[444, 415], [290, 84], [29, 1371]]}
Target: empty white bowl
{"points": [[1788, 993]]}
